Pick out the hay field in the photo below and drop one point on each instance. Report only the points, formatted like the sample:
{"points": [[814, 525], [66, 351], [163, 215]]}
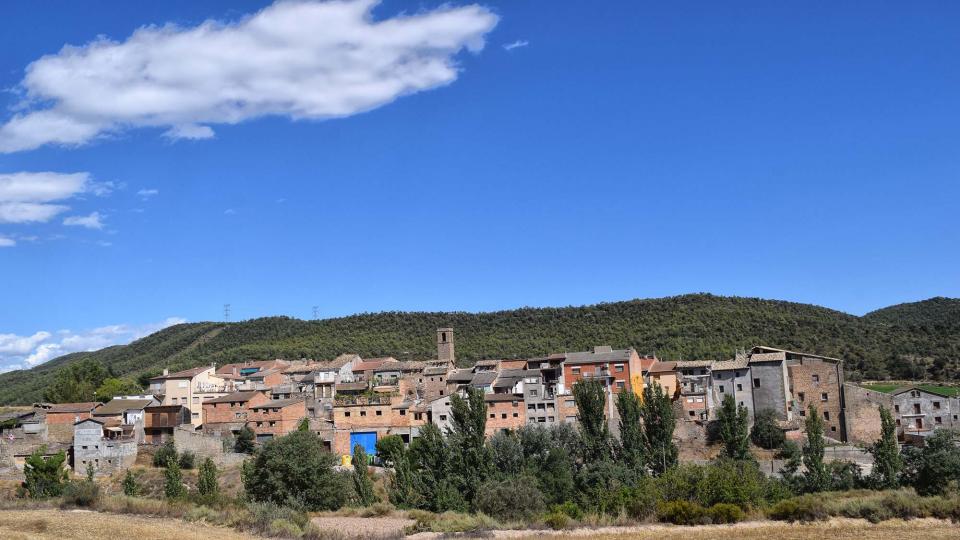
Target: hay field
{"points": [[86, 525]]}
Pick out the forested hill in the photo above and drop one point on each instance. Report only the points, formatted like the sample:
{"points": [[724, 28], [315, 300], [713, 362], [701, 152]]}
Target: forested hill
{"points": [[920, 340]]}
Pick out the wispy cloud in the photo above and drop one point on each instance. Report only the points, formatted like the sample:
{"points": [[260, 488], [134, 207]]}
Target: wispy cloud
{"points": [[7, 242], [297, 59], [515, 45], [148, 193], [92, 221], [24, 352]]}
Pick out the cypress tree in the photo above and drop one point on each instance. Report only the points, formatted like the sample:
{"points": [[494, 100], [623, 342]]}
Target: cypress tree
{"points": [[207, 484], [361, 477], [817, 477], [734, 429], [591, 399], [631, 432], [658, 425], [887, 463], [173, 481]]}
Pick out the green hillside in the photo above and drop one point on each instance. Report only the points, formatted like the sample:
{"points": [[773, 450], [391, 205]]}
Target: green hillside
{"points": [[910, 341]]}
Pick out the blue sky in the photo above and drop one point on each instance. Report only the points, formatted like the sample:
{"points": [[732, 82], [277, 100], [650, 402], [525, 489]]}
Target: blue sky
{"points": [[509, 154]]}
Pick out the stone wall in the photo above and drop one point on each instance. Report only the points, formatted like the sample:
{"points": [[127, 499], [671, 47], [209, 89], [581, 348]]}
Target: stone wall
{"points": [[863, 415], [818, 382], [204, 446]]}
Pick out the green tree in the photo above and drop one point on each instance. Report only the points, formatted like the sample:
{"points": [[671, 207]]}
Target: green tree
{"points": [[130, 486], [467, 436], [631, 447], [304, 424], [164, 454], [173, 487], [361, 477], [294, 470], [658, 425], [44, 476], [734, 428], [591, 399], [937, 464], [887, 464], [390, 449], [245, 441], [112, 387], [817, 476], [507, 453], [432, 463], [76, 382], [207, 479], [91, 472], [766, 432]]}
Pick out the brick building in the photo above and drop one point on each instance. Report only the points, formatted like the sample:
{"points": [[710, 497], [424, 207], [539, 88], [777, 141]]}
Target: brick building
{"points": [[160, 421], [70, 413], [229, 413], [504, 412], [615, 368], [276, 418]]}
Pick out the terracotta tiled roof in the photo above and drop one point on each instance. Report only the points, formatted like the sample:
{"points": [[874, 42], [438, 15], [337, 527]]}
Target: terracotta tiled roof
{"points": [[278, 403], [236, 397], [663, 367], [185, 374], [118, 406], [86, 406]]}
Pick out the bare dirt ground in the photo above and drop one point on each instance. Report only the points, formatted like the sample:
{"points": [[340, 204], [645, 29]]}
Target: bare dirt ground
{"points": [[835, 529], [85, 525], [359, 527]]}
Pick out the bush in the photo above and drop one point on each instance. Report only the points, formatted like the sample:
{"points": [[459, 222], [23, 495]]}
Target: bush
{"points": [[130, 486], [513, 499], [295, 470], [570, 509], [270, 518], [556, 520], [805, 509], [187, 460], [83, 494], [766, 432], [682, 513], [726, 513], [640, 503], [165, 454], [450, 522]]}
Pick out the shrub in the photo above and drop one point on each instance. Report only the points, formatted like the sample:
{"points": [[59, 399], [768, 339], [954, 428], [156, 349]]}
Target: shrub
{"points": [[450, 522], [681, 513], [766, 432], [165, 454], [44, 476], [83, 494], [806, 508], [557, 520], [173, 481], [187, 461], [513, 499], [273, 519], [244, 443], [130, 486], [570, 509], [903, 505], [207, 484], [377, 509], [295, 470], [641, 502], [726, 513]]}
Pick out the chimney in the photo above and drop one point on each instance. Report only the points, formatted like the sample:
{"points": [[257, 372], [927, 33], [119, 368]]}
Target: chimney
{"points": [[213, 366], [166, 372]]}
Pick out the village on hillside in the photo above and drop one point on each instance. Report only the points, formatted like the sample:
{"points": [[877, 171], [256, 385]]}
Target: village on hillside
{"points": [[352, 402]]}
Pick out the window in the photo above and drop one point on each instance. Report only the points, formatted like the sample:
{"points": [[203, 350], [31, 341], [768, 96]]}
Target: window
{"points": [[533, 392], [937, 420], [833, 428], [379, 412], [418, 416], [443, 418], [898, 421], [618, 368], [363, 413], [493, 415], [516, 415], [803, 412], [815, 378], [689, 400], [700, 400], [896, 408], [801, 396], [739, 387], [620, 385], [916, 408], [826, 415], [346, 414], [756, 383], [503, 416], [721, 388], [403, 412], [196, 415], [576, 371], [571, 403], [936, 404], [823, 396], [272, 424], [692, 413]]}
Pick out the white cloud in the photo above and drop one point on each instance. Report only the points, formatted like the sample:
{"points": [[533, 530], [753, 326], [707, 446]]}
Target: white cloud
{"points": [[147, 193], [29, 197], [93, 221], [24, 352], [515, 45], [229, 212], [298, 59], [7, 242]]}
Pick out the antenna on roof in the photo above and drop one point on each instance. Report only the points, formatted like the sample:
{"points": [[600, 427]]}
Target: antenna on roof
{"points": [[226, 313]]}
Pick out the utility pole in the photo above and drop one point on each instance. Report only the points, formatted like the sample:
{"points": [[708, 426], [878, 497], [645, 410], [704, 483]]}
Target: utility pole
{"points": [[316, 312], [226, 313]]}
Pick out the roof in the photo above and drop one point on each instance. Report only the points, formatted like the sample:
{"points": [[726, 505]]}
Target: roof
{"points": [[350, 386], [483, 378], [341, 361], [740, 362], [591, 357], [663, 367], [88, 420], [303, 367], [118, 406], [486, 363], [506, 382], [461, 375], [502, 397], [228, 368], [166, 408], [278, 403], [924, 390], [394, 365], [370, 364], [236, 397], [85, 406], [263, 373], [682, 364], [185, 374], [435, 371], [764, 348]]}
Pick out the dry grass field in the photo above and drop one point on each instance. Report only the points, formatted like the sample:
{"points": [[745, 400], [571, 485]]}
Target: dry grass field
{"points": [[85, 525]]}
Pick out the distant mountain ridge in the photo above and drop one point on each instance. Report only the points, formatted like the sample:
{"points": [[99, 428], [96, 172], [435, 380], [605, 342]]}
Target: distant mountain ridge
{"points": [[907, 341]]}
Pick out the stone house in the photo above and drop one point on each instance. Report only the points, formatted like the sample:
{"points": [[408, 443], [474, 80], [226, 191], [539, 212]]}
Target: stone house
{"points": [[191, 388], [374, 418], [918, 412], [665, 375], [365, 369], [107, 455], [769, 383], [504, 412], [817, 380], [434, 381], [160, 421], [695, 391], [276, 418], [863, 413], [229, 413], [732, 377], [127, 412], [619, 369]]}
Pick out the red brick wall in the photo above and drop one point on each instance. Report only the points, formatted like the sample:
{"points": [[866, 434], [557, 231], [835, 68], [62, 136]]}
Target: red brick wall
{"points": [[802, 382], [505, 415], [221, 413], [66, 418], [569, 377], [284, 421]]}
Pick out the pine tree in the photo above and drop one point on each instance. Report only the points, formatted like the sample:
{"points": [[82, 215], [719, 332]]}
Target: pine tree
{"points": [[631, 447], [591, 399], [245, 441], [207, 484], [817, 477], [173, 481], [734, 429], [361, 477], [887, 463], [658, 425], [130, 486]]}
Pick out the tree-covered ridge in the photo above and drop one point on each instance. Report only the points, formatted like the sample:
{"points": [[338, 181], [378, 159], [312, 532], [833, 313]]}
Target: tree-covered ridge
{"points": [[696, 326]]}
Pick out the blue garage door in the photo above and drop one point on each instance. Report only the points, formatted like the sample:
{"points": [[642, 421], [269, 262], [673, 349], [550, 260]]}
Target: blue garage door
{"points": [[368, 440]]}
